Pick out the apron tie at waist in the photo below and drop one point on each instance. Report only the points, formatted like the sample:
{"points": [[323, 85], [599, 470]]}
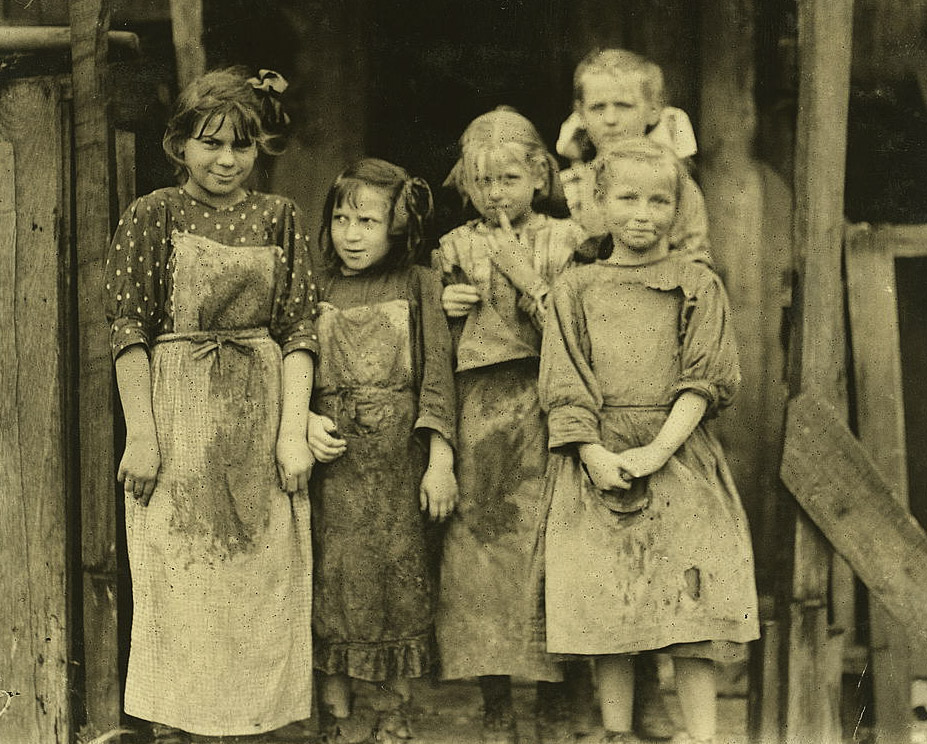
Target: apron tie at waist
{"points": [[202, 349], [205, 343]]}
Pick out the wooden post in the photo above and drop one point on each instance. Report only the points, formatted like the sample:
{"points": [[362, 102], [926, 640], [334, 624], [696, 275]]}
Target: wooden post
{"points": [[818, 343], [873, 311], [187, 31], [331, 83], [34, 494], [90, 20]]}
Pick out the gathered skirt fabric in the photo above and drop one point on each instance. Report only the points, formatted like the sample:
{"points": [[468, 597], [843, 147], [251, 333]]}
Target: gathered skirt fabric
{"points": [[220, 558], [374, 603], [678, 572], [488, 615]]}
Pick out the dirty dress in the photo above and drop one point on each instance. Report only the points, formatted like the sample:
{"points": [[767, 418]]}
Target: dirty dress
{"points": [[220, 558], [488, 622], [622, 343], [385, 378]]}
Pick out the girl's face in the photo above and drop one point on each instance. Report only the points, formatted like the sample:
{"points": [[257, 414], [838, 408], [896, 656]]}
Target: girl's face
{"points": [[504, 185], [360, 229], [639, 210], [614, 108], [217, 163]]}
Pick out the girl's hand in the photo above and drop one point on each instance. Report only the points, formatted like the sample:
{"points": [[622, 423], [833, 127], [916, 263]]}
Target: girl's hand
{"points": [[438, 492], [294, 463], [640, 461], [139, 467], [458, 300], [604, 467], [322, 437]]}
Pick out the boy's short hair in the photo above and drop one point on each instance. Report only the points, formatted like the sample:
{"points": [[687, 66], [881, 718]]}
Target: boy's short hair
{"points": [[621, 62]]}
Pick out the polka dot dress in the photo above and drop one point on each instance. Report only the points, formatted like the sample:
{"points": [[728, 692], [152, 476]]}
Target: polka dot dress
{"points": [[220, 558]]}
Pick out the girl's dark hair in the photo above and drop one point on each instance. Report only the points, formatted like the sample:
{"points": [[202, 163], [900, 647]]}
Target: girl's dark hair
{"points": [[504, 134], [411, 209], [252, 105]]}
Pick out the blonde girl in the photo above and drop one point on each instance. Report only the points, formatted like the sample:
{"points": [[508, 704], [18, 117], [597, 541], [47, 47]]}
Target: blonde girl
{"points": [[647, 543], [498, 270]]}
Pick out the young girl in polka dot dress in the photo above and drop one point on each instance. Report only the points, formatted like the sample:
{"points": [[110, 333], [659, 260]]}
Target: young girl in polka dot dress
{"points": [[211, 302]]}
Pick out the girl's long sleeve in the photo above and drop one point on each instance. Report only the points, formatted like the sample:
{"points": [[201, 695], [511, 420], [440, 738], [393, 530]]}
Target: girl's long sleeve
{"points": [[568, 388], [437, 403]]}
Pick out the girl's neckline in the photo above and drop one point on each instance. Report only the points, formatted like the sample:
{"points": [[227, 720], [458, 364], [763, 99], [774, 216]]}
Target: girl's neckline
{"points": [[641, 265], [246, 196]]}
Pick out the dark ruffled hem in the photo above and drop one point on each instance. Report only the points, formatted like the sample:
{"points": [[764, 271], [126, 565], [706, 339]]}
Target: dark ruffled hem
{"points": [[377, 662]]}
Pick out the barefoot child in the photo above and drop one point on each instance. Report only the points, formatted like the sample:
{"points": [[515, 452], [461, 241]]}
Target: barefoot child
{"points": [[498, 270], [619, 94], [211, 303], [647, 545], [382, 431]]}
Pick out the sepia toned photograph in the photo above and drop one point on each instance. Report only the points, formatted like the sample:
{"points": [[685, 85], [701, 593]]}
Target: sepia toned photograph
{"points": [[463, 371]]}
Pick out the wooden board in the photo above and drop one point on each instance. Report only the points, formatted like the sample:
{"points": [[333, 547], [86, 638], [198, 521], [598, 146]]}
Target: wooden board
{"points": [[187, 32], [34, 617], [93, 214], [838, 485], [873, 311], [818, 343]]}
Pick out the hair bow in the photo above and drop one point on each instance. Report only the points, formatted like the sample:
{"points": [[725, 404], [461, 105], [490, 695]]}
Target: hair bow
{"points": [[269, 81]]}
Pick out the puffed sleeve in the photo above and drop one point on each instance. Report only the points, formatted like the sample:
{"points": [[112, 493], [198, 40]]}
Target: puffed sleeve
{"points": [[568, 388], [295, 303], [134, 274], [437, 407], [709, 364]]}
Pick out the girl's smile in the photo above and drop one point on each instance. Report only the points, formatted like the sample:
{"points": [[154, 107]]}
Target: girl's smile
{"points": [[360, 229], [218, 163], [639, 210]]}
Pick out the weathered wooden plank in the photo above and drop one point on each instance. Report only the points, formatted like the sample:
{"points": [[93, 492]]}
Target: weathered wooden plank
{"points": [[818, 342], [841, 489], [90, 21], [34, 627], [50, 38], [187, 30], [873, 311]]}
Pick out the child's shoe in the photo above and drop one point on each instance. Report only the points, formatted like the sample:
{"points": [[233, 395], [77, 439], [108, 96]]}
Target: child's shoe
{"points": [[161, 734], [358, 728], [684, 737], [394, 725], [603, 736], [553, 720], [499, 728]]}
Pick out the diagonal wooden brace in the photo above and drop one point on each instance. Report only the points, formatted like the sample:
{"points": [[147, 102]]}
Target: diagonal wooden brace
{"points": [[834, 479]]}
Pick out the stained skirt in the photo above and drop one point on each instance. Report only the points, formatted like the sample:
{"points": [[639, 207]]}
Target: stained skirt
{"points": [[374, 588], [488, 620], [678, 572], [220, 558]]}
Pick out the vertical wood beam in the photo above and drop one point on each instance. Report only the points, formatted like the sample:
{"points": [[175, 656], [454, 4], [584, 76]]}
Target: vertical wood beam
{"points": [[187, 32], [818, 343], [90, 22], [35, 642], [873, 311]]}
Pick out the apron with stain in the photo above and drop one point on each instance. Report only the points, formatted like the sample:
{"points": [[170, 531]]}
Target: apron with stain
{"points": [[374, 606], [220, 558]]}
